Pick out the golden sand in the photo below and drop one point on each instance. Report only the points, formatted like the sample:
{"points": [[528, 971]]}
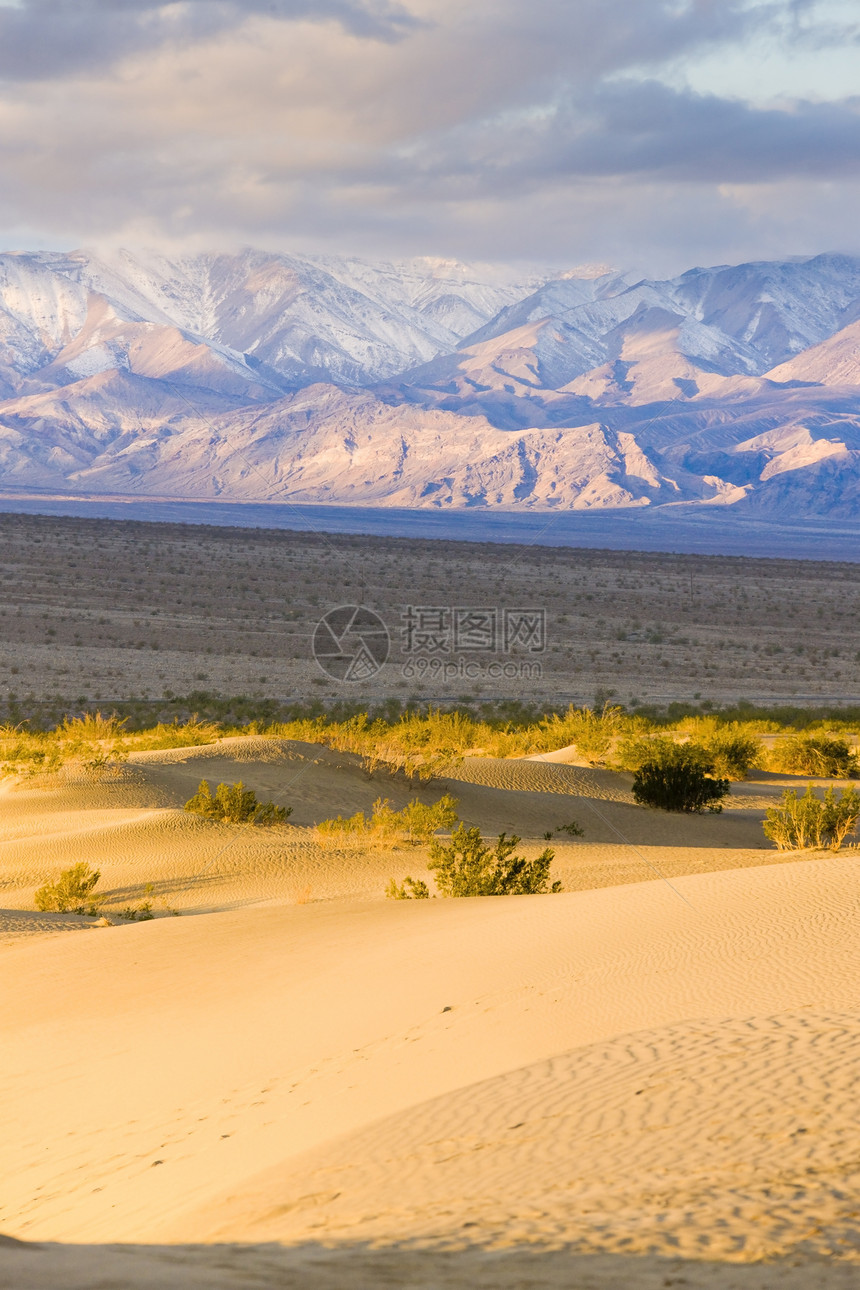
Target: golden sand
{"points": [[639, 1082]]}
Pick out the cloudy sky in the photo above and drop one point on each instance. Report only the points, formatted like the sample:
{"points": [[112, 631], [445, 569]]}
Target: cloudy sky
{"points": [[653, 134]]}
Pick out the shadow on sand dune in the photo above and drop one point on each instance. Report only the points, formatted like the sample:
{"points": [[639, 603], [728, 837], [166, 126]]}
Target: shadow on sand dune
{"points": [[25, 1266]]}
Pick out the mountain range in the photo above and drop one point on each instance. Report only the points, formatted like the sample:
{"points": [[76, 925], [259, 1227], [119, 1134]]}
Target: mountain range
{"points": [[431, 383]]}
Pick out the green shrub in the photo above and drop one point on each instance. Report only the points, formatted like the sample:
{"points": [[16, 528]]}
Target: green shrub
{"points": [[592, 732], [415, 823], [733, 752], [141, 913], [176, 734], [811, 822], [467, 866], [235, 804], [814, 755], [420, 822], [677, 777], [409, 889], [73, 891]]}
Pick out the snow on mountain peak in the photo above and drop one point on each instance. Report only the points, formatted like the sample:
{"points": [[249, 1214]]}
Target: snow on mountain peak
{"points": [[472, 384]]}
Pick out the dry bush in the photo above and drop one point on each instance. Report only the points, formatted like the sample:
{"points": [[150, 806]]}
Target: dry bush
{"points": [[91, 728], [24, 752], [235, 804], [176, 734], [73, 891], [814, 754], [93, 741], [593, 732], [415, 823], [734, 749], [419, 746], [811, 822], [467, 866]]}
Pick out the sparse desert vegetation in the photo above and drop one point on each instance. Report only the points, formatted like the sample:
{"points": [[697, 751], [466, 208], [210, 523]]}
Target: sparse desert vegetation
{"points": [[468, 866], [813, 822], [235, 804], [584, 798], [413, 825], [95, 613], [73, 890], [422, 743], [92, 741]]}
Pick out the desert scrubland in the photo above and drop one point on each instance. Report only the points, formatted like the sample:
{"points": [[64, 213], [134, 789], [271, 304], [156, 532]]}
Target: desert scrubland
{"points": [[98, 611], [284, 1078]]}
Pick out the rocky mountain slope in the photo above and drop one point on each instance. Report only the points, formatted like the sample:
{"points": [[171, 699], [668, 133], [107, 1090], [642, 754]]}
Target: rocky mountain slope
{"points": [[431, 383]]}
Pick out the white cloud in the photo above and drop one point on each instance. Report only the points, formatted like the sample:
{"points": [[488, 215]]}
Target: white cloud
{"points": [[503, 127]]}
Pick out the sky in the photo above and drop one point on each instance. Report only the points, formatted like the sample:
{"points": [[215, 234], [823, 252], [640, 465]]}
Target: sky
{"points": [[655, 134]]}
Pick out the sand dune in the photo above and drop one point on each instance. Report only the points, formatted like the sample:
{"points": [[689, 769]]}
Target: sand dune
{"points": [[16, 923], [129, 824], [533, 774], [358, 1267], [735, 1139], [322, 1044], [638, 1082]]}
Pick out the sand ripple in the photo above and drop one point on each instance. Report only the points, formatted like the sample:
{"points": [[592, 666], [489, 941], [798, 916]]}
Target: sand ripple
{"points": [[734, 1140], [523, 775]]}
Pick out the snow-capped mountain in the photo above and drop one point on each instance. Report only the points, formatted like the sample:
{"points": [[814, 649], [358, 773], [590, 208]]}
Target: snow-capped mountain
{"points": [[431, 383], [287, 319]]}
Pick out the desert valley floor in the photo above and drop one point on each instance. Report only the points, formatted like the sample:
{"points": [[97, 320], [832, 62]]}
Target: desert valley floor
{"points": [[99, 610], [646, 1080]]}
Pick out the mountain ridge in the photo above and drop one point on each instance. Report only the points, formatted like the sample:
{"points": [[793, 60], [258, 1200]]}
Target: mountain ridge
{"points": [[261, 377]]}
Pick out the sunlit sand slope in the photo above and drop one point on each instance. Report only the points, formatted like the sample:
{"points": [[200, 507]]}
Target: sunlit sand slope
{"points": [[726, 1139], [337, 1071]]}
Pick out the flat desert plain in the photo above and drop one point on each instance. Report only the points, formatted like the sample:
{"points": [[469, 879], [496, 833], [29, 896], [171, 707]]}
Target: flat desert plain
{"points": [[100, 610], [647, 1080]]}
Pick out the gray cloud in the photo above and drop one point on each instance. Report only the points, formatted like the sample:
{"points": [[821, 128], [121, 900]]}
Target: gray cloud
{"points": [[47, 38], [504, 127], [643, 130]]}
